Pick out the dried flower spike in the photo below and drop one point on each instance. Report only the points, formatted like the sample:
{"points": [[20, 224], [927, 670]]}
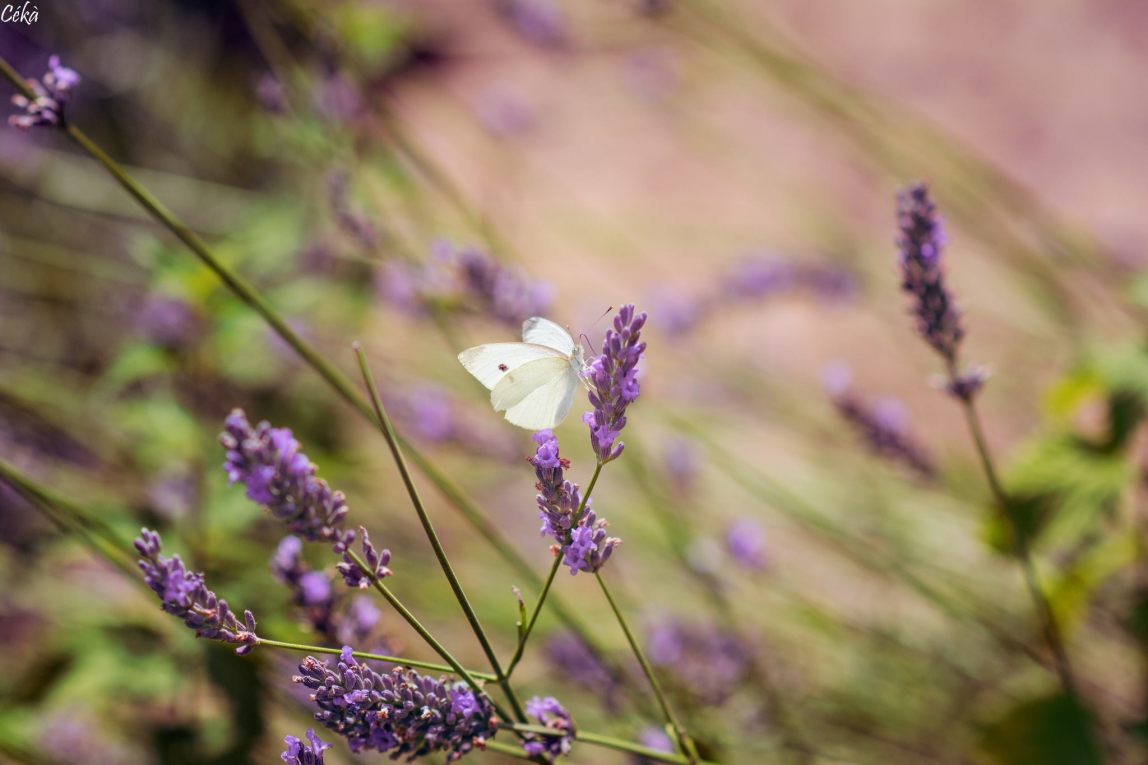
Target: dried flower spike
{"points": [[185, 594], [920, 242]]}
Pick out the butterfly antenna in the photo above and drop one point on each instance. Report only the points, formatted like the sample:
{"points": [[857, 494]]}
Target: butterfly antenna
{"points": [[589, 345]]}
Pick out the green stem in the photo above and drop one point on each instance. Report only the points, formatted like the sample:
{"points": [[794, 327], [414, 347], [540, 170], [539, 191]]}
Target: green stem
{"points": [[400, 661], [423, 632], [684, 742], [1051, 627], [608, 742], [388, 431], [553, 572]]}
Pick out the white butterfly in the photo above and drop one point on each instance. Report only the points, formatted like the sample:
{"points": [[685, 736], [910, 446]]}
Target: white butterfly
{"points": [[533, 381]]}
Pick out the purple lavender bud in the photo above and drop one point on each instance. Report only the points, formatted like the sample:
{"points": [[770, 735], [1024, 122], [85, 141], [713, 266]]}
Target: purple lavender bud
{"points": [[281, 478], [613, 379], [582, 539], [402, 712], [677, 313], [759, 276], [590, 546], [745, 541], [184, 594], [920, 242], [168, 321], [52, 91], [353, 574], [881, 427], [550, 713], [299, 753]]}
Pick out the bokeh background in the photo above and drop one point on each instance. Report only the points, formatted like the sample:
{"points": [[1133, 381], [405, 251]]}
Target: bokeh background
{"points": [[728, 167]]}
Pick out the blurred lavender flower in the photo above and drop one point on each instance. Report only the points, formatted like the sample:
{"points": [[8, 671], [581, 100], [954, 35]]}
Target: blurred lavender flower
{"points": [[353, 222], [651, 74], [677, 313], [582, 539], [547, 711], [310, 590], [578, 664], [502, 293], [920, 242], [656, 739], [680, 462], [539, 22], [298, 753], [168, 321], [339, 98], [270, 93], [503, 113], [701, 660], [281, 478], [185, 594], [881, 426], [359, 621], [52, 92], [465, 279], [69, 736], [402, 712], [745, 541], [613, 379]]}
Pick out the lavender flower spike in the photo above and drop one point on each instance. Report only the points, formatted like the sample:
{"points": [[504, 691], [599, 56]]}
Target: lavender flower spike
{"points": [[185, 594], [299, 753], [402, 712], [547, 711], [582, 539], [281, 478], [920, 241], [613, 379], [52, 92]]}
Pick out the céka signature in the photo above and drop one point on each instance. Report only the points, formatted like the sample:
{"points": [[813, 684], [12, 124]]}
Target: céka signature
{"points": [[26, 13]]}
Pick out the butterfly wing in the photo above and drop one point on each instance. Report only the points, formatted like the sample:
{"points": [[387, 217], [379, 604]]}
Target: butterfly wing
{"points": [[538, 396], [491, 362], [541, 331]]}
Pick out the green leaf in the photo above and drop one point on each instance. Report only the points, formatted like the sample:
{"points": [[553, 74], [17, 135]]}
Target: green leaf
{"points": [[1054, 730]]}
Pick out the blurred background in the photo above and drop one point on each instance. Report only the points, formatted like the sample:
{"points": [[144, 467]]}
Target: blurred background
{"points": [[421, 176]]}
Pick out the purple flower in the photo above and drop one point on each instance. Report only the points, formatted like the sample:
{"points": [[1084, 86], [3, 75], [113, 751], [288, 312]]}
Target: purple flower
{"points": [[680, 461], [52, 92], [299, 753], [745, 541], [185, 594], [920, 242], [353, 573], [402, 712], [360, 620], [505, 294], [281, 478], [613, 379], [703, 661], [539, 22], [578, 664], [880, 426], [550, 713], [656, 739], [582, 538]]}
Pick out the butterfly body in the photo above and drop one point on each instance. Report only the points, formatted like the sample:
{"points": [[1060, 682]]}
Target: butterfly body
{"points": [[534, 381]]}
